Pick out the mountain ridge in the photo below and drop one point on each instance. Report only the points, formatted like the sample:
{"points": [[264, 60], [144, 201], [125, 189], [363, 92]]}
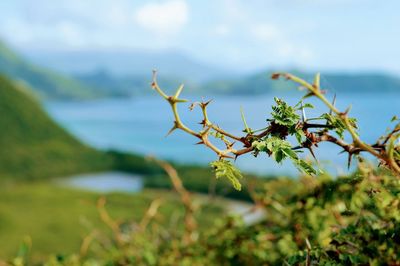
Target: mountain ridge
{"points": [[48, 84], [121, 63]]}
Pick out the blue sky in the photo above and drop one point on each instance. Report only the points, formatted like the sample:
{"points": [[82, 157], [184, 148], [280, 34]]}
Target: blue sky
{"points": [[350, 35]]}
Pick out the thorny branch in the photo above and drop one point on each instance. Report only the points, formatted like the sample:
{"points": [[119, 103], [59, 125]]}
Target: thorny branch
{"points": [[272, 138], [190, 222]]}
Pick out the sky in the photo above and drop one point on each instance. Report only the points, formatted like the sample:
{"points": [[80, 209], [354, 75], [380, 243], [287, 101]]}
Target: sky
{"points": [[345, 35]]}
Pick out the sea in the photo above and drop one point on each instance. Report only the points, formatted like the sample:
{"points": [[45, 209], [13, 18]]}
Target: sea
{"points": [[140, 125]]}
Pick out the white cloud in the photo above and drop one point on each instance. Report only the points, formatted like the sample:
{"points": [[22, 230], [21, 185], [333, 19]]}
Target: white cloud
{"points": [[163, 18], [234, 10], [280, 42], [222, 30], [266, 32], [71, 34], [294, 53]]}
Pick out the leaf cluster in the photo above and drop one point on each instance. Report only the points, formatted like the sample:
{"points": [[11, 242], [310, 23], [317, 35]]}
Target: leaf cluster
{"points": [[286, 123], [225, 169]]}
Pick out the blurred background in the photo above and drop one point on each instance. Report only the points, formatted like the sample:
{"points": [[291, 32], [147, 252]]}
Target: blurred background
{"points": [[75, 94]]}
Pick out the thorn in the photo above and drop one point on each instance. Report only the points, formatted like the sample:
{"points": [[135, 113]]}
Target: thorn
{"points": [[203, 123], [154, 77], [349, 160], [229, 145], [308, 95], [333, 103], [193, 105], [179, 90], [312, 153], [172, 129], [236, 156], [180, 100], [303, 113], [204, 104], [199, 143], [347, 110], [205, 132]]}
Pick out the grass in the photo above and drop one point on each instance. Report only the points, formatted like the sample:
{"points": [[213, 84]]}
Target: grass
{"points": [[57, 218], [37, 148], [202, 180]]}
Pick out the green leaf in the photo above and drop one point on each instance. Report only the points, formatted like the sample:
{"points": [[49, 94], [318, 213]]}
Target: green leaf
{"points": [[300, 136], [305, 167], [290, 153], [224, 168], [284, 114], [337, 124], [279, 156]]}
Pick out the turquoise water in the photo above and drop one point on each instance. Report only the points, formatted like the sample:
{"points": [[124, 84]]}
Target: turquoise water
{"points": [[140, 125]]}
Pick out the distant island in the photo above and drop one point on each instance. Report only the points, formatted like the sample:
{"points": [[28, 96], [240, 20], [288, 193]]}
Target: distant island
{"points": [[52, 76]]}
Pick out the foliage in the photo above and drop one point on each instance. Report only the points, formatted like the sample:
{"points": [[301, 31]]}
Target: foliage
{"points": [[57, 218], [35, 147], [285, 123], [352, 220], [313, 220], [348, 221], [201, 180], [224, 168]]}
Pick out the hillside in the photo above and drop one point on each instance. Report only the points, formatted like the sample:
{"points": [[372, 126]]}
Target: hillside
{"points": [[129, 85], [120, 63], [46, 83], [33, 146], [128, 73], [260, 83]]}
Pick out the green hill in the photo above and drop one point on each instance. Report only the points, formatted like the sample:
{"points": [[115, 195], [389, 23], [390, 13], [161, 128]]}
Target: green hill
{"points": [[33, 146], [257, 83], [260, 83], [45, 83]]}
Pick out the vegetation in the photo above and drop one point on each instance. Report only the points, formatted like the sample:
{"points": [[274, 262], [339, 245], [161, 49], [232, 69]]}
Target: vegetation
{"points": [[120, 86], [310, 221], [57, 218], [273, 139], [45, 83], [314, 220], [341, 82], [200, 179], [35, 147], [49, 84], [255, 84]]}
